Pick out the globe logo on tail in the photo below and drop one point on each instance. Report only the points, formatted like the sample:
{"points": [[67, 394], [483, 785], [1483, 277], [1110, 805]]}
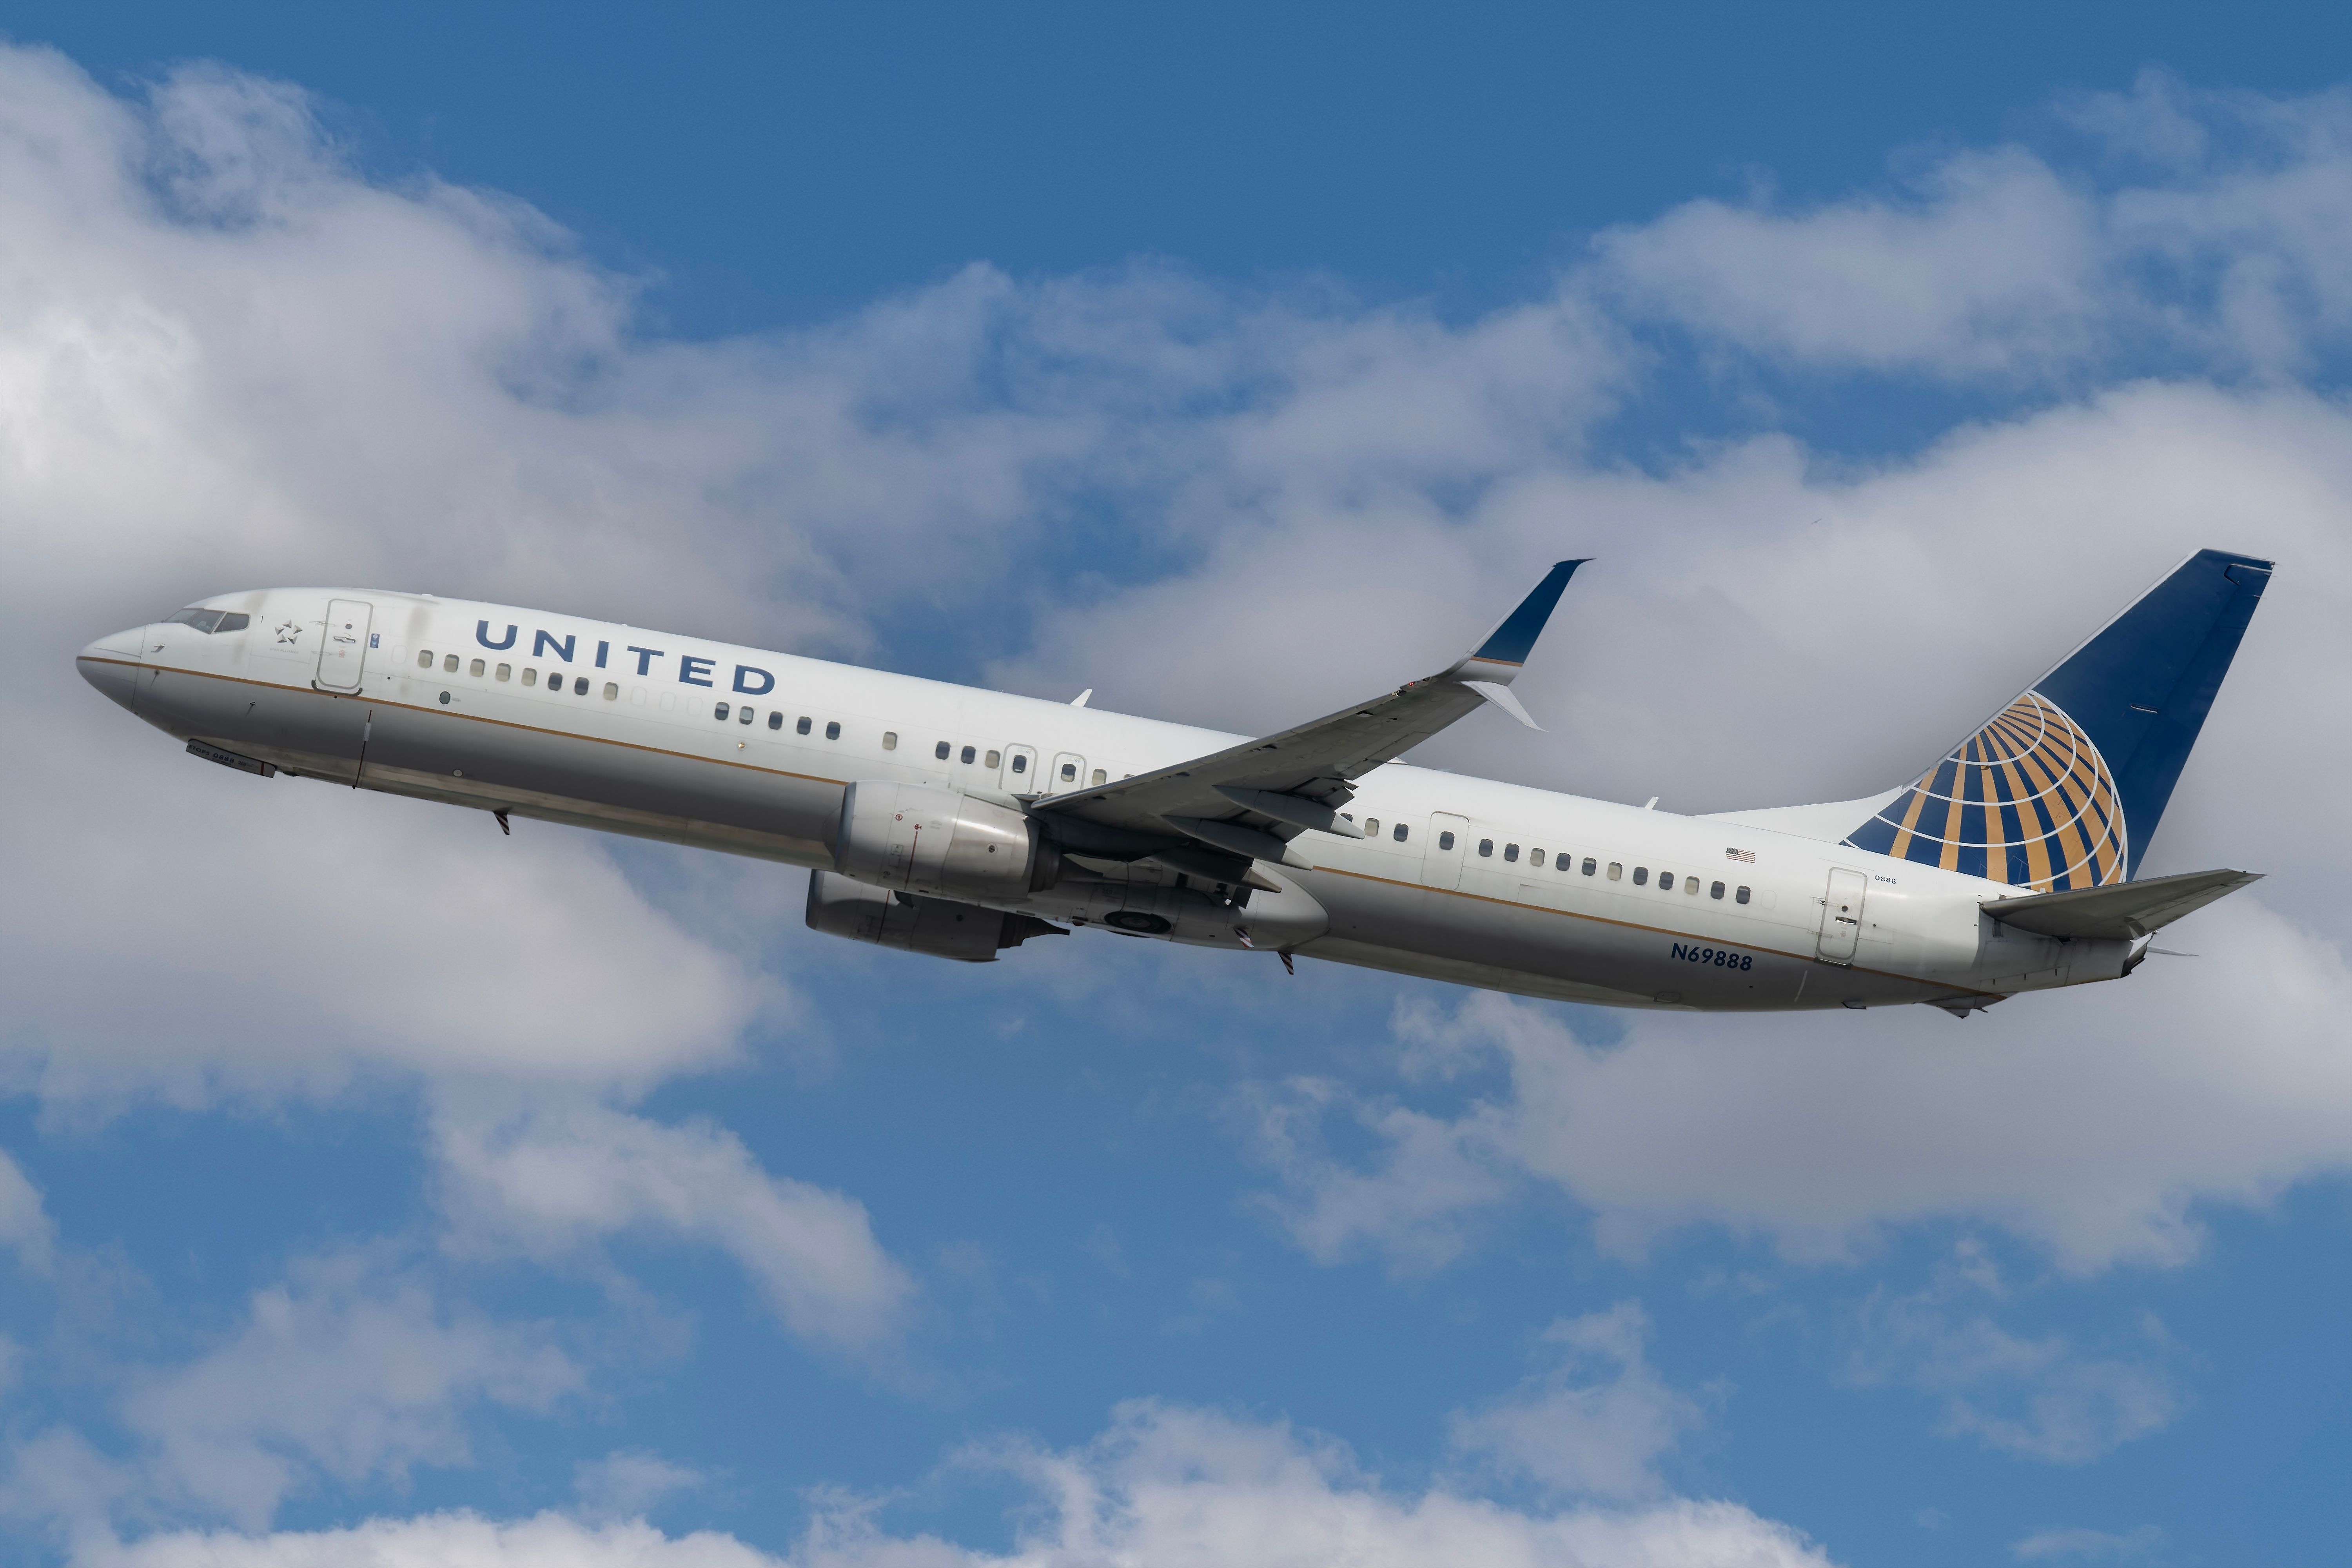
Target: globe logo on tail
{"points": [[2027, 800]]}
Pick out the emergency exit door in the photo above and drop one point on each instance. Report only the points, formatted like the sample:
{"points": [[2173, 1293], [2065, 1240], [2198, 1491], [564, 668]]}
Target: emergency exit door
{"points": [[343, 652], [1441, 855], [1842, 916]]}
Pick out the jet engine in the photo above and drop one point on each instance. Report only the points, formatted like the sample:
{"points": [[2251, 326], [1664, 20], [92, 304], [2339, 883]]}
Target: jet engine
{"points": [[924, 838], [940, 926]]}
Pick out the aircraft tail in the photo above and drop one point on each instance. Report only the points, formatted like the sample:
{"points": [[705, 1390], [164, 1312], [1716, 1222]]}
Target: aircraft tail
{"points": [[2063, 789]]}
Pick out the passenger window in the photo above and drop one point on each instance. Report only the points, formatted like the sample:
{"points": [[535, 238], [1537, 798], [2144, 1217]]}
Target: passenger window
{"points": [[1019, 763], [425, 659], [506, 672], [613, 694], [1101, 777], [1486, 847], [449, 664], [1590, 866], [1690, 886], [1741, 897], [966, 754], [1510, 852], [1715, 891], [579, 687], [1398, 833], [1373, 830], [1641, 874], [775, 720], [833, 729], [1535, 858], [745, 716], [530, 676], [1616, 870], [475, 668], [720, 711], [940, 751], [890, 740], [1070, 772], [802, 726], [993, 758], [1665, 881]]}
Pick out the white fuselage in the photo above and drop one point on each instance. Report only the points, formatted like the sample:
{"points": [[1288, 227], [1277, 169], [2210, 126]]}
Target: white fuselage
{"points": [[1539, 893]]}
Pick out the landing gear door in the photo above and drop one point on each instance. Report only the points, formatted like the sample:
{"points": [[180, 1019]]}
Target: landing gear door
{"points": [[1441, 857], [1019, 774], [1842, 916], [343, 652]]}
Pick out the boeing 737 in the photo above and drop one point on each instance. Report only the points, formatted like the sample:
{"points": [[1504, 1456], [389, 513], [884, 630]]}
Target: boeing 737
{"points": [[960, 821]]}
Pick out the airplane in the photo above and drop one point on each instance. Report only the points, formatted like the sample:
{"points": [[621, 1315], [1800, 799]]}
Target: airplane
{"points": [[960, 823]]}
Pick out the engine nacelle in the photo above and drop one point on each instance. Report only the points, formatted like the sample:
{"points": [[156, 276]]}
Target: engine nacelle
{"points": [[940, 926], [926, 838]]}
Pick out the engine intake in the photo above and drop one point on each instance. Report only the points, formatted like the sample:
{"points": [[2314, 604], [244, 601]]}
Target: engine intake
{"points": [[940, 926], [924, 838]]}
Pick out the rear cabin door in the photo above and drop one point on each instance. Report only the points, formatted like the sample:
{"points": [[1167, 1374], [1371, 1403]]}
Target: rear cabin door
{"points": [[1842, 916], [343, 650], [1441, 858]]}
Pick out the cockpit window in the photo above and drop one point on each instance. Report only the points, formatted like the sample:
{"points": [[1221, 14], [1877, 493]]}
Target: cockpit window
{"points": [[211, 621]]}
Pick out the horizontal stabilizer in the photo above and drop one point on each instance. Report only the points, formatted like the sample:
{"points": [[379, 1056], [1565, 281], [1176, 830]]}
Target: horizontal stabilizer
{"points": [[2118, 912]]}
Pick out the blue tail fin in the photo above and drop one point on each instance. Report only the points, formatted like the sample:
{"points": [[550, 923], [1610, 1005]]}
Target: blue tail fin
{"points": [[2064, 788]]}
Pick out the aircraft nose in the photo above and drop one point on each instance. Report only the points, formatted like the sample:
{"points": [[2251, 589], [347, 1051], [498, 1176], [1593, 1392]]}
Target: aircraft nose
{"points": [[111, 664]]}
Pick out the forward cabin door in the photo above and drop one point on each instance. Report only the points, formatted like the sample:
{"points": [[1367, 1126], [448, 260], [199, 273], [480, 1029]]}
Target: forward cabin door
{"points": [[1441, 858], [1842, 916], [343, 652]]}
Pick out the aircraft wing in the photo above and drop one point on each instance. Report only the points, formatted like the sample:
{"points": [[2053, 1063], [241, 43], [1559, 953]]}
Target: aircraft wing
{"points": [[1214, 814], [2119, 912]]}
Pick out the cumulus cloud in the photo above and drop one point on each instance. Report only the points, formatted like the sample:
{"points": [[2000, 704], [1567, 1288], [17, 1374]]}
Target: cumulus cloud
{"points": [[1163, 1485], [627, 1483], [2092, 1122], [2039, 1396], [24, 1224], [342, 1372], [1569, 1430], [2218, 255], [2091, 1545], [557, 1178]]}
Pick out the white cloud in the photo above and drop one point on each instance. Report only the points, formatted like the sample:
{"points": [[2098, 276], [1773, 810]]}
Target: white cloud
{"points": [[1571, 1431], [2038, 1396], [1163, 1486], [559, 1176], [342, 1372], [2091, 1123], [1995, 263], [2092, 1545], [24, 1224], [629, 1483]]}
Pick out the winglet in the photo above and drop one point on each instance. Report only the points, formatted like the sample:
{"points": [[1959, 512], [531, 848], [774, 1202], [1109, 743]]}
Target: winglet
{"points": [[1497, 660]]}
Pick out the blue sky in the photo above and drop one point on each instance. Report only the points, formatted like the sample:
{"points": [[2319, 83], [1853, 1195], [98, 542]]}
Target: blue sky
{"points": [[562, 1196]]}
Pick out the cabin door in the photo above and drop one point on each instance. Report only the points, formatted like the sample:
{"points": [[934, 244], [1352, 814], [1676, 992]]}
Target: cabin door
{"points": [[343, 650], [1842, 916], [1019, 774], [1441, 857]]}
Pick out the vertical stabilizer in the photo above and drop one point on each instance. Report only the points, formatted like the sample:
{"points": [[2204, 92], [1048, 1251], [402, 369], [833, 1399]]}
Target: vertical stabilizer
{"points": [[2064, 788]]}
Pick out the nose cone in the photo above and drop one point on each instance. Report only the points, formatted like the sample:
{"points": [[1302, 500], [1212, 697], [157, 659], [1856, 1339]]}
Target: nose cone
{"points": [[111, 664]]}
